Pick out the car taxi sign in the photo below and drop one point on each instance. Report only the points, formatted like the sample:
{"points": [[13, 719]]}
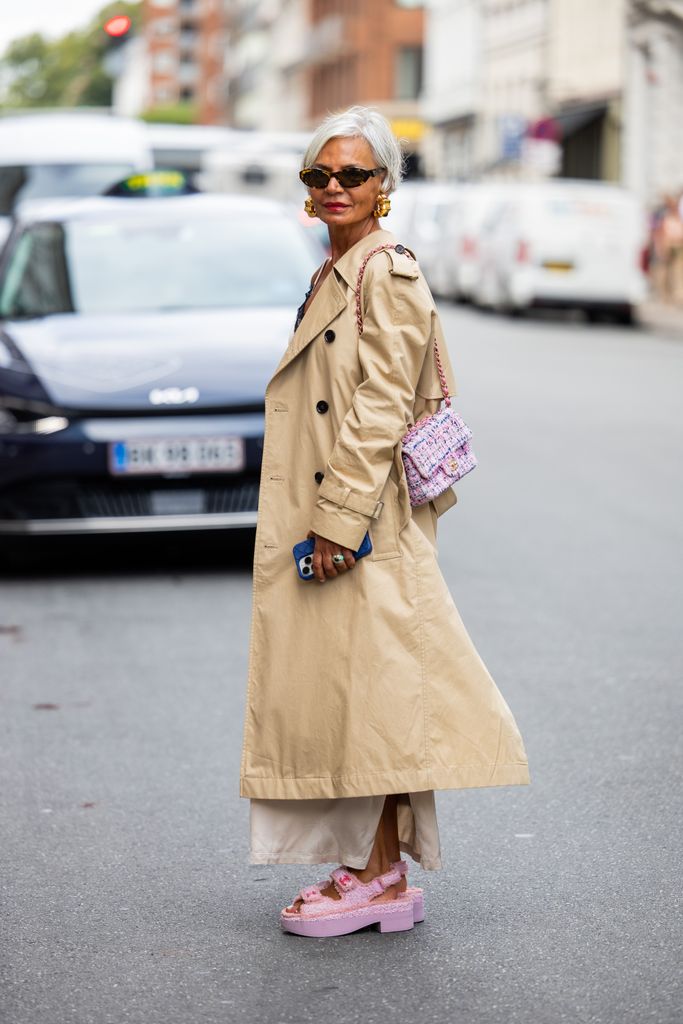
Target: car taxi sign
{"points": [[153, 183]]}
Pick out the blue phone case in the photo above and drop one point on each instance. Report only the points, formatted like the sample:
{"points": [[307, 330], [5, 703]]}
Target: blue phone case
{"points": [[303, 555]]}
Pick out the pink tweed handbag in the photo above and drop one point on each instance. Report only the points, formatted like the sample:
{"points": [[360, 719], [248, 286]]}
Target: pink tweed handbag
{"points": [[436, 450]]}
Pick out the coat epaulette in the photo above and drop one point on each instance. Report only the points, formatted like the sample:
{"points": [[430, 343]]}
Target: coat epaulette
{"points": [[403, 262]]}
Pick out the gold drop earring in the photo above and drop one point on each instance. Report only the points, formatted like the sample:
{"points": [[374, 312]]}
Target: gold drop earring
{"points": [[309, 207], [382, 206]]}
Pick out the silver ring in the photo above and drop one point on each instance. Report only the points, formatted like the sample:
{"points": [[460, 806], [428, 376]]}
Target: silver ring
{"points": [[338, 558]]}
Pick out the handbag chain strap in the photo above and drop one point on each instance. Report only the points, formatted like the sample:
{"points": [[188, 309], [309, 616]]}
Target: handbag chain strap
{"points": [[359, 312]]}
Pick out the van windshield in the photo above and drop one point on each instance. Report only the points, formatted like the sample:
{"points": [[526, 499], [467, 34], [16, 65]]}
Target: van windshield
{"points": [[50, 181]]}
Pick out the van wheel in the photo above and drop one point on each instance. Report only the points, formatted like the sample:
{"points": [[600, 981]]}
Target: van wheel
{"points": [[510, 310], [625, 317]]}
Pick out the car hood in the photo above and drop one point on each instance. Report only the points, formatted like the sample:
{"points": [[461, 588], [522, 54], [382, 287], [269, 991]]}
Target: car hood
{"points": [[206, 359]]}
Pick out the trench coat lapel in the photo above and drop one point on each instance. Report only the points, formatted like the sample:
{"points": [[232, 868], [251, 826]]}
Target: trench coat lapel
{"points": [[326, 305], [332, 297]]}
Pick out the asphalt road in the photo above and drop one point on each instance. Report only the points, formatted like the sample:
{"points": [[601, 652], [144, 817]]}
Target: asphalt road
{"points": [[126, 892]]}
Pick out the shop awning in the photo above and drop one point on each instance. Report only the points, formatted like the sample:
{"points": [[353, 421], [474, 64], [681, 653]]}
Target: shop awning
{"points": [[572, 119], [410, 128]]}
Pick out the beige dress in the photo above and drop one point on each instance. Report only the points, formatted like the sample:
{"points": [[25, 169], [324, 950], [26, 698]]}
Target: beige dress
{"points": [[341, 831]]}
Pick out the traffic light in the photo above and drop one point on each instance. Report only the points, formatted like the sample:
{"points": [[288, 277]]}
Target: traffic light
{"points": [[117, 26]]}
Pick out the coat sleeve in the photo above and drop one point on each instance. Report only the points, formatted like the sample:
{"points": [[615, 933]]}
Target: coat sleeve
{"points": [[397, 326]]}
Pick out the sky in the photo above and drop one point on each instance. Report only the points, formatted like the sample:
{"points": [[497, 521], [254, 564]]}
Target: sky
{"points": [[19, 17]]}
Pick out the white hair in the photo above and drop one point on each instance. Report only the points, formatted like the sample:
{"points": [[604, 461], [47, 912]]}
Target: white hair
{"points": [[364, 123]]}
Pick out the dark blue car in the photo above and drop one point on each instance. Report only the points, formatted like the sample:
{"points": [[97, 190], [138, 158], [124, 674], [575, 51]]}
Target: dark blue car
{"points": [[136, 340]]}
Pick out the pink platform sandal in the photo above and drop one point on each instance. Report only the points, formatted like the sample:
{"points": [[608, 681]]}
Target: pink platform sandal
{"points": [[320, 916]]}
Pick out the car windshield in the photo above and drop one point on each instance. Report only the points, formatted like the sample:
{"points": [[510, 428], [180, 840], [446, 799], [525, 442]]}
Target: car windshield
{"points": [[156, 263], [49, 181]]}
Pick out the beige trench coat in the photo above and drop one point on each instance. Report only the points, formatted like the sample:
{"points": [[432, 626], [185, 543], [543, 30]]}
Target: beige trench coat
{"points": [[369, 683]]}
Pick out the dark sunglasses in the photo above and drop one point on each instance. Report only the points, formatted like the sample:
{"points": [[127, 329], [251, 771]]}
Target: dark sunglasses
{"points": [[348, 177]]}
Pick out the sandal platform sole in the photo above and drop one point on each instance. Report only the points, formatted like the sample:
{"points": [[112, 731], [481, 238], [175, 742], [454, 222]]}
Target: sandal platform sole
{"points": [[418, 899], [395, 916]]}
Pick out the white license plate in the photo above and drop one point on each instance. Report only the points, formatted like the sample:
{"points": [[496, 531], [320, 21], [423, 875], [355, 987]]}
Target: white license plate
{"points": [[177, 455]]}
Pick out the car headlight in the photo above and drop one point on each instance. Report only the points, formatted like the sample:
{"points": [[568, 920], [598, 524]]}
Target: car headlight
{"points": [[24, 421]]}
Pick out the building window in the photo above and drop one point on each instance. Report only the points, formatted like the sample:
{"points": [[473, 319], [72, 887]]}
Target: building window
{"points": [[164, 62], [408, 72], [163, 26], [164, 94], [187, 40]]}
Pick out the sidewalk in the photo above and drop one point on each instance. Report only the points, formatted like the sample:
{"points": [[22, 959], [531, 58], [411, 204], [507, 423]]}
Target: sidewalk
{"points": [[661, 318]]}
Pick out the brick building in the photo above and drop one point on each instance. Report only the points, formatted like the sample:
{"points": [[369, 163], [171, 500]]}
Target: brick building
{"points": [[284, 64], [185, 42], [293, 61], [365, 53]]}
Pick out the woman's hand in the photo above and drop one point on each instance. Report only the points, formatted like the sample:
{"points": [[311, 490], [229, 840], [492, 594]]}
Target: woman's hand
{"points": [[323, 566]]}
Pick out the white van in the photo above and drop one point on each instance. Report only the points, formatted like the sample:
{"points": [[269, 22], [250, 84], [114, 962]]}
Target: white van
{"points": [[257, 163], [465, 229], [182, 147], [66, 154], [423, 215], [565, 244]]}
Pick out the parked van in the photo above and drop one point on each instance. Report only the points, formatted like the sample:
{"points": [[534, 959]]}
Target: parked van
{"points": [[467, 217], [257, 163], [565, 244], [183, 146], [66, 154], [423, 216]]}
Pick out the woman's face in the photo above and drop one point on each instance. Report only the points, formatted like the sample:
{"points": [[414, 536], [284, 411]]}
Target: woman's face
{"points": [[335, 205]]}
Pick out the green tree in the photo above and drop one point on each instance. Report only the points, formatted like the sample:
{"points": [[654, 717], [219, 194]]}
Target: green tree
{"points": [[66, 72], [172, 113]]}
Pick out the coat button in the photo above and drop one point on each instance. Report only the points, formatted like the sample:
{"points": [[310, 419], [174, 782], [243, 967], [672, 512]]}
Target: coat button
{"points": [[329, 336], [400, 248], [321, 406], [319, 477]]}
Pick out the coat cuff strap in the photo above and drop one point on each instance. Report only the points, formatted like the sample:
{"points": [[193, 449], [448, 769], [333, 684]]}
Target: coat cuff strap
{"points": [[344, 497]]}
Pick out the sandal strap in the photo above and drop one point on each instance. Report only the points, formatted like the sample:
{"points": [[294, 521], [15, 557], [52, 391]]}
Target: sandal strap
{"points": [[344, 881], [311, 894], [390, 877]]}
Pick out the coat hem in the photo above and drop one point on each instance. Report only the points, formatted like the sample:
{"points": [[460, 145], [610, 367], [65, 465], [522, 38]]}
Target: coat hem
{"points": [[385, 783]]}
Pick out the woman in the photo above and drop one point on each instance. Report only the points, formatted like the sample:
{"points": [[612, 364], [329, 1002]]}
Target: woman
{"points": [[365, 691]]}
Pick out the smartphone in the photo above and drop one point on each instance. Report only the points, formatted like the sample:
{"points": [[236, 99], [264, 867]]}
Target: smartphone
{"points": [[303, 555]]}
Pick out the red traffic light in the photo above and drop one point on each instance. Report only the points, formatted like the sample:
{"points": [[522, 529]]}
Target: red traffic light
{"points": [[118, 25]]}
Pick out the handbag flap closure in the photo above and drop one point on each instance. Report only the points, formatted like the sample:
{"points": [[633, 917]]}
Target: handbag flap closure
{"points": [[436, 443]]}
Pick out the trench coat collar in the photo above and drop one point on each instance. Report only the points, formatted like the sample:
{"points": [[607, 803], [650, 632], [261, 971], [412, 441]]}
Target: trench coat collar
{"points": [[348, 265], [332, 296]]}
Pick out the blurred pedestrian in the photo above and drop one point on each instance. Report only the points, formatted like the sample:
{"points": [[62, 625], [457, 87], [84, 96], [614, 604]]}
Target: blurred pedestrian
{"points": [[668, 251], [365, 691]]}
